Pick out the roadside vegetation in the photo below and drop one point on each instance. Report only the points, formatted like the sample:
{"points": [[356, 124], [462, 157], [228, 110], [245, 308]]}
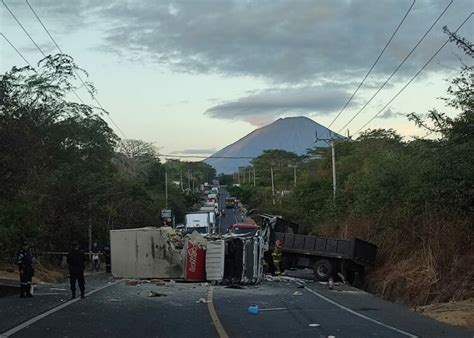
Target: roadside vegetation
{"points": [[64, 169], [413, 198]]}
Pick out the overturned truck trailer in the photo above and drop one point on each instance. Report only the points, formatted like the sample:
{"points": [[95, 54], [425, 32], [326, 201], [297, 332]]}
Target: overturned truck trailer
{"points": [[235, 260], [157, 253]]}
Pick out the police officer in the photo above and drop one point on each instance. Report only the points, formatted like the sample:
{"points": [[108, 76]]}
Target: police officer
{"points": [[107, 258], [76, 259], [24, 259]]}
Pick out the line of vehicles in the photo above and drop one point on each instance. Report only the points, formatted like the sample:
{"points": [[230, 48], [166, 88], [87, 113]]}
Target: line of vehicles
{"points": [[205, 220]]}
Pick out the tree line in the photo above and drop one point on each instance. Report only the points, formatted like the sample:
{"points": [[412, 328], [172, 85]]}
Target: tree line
{"points": [[63, 169]]}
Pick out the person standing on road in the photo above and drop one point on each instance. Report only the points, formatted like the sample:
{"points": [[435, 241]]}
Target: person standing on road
{"points": [[24, 259], [95, 257], [76, 259]]}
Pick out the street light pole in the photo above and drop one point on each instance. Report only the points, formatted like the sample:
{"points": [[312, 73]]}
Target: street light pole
{"points": [[166, 188], [294, 174], [273, 186], [330, 142], [333, 152]]}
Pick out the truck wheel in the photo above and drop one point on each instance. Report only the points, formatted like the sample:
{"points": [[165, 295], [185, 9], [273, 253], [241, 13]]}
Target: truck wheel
{"points": [[284, 264], [322, 270]]}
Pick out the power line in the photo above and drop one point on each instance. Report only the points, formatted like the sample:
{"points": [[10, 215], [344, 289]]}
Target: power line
{"points": [[414, 76], [398, 67], [16, 50], [74, 70], [24, 29], [206, 157], [32, 40], [373, 65]]}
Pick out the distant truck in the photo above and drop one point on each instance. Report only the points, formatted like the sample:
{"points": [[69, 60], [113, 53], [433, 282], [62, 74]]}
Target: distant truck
{"points": [[198, 221], [230, 202]]}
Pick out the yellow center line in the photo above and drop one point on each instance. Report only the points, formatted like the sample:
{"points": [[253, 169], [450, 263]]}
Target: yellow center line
{"points": [[212, 311]]}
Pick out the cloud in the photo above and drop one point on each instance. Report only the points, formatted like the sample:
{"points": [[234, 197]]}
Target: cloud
{"points": [[264, 106], [194, 151], [281, 41], [390, 114]]}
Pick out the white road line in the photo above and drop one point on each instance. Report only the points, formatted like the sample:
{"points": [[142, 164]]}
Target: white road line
{"points": [[359, 314], [50, 311]]}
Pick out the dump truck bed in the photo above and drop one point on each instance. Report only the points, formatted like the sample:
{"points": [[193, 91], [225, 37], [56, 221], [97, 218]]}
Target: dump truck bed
{"points": [[357, 250]]}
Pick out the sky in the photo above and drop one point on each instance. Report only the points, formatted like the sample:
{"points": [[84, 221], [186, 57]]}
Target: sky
{"points": [[194, 76]]}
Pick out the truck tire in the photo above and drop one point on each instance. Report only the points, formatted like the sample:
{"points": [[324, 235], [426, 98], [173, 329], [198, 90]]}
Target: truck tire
{"points": [[322, 270], [284, 264]]}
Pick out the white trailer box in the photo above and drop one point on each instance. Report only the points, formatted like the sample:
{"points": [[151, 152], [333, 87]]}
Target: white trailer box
{"points": [[215, 257], [145, 253]]}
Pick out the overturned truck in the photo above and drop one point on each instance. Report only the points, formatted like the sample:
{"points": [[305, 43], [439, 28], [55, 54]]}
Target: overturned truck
{"points": [[328, 257]]}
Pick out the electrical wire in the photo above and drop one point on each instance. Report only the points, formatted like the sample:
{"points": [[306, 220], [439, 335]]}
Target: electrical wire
{"points": [[75, 72], [398, 67], [373, 65], [16, 50], [206, 157], [22, 27], [414, 76]]}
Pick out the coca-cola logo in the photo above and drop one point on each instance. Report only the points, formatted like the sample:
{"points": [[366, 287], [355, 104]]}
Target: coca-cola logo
{"points": [[192, 256]]}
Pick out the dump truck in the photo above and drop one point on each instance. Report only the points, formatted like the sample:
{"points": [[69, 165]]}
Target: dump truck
{"points": [[328, 257]]}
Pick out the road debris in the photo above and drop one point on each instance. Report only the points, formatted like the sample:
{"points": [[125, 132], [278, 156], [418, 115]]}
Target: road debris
{"points": [[253, 309], [331, 283], [297, 293], [201, 300], [314, 325], [156, 294], [131, 282], [235, 286], [341, 276]]}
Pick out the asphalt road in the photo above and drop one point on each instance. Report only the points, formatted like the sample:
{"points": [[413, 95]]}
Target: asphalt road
{"points": [[232, 215], [288, 307], [285, 310]]}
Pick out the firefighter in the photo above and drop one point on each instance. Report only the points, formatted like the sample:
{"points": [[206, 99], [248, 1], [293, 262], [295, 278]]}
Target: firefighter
{"points": [[76, 259], [24, 260], [277, 257]]}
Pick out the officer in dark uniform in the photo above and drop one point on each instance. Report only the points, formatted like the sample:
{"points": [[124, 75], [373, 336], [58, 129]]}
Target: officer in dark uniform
{"points": [[107, 258], [76, 259], [24, 259]]}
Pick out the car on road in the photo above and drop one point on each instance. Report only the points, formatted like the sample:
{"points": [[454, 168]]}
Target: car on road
{"points": [[243, 229]]}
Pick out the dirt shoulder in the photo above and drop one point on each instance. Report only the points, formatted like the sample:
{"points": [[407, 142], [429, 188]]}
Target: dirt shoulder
{"points": [[43, 274], [455, 313]]}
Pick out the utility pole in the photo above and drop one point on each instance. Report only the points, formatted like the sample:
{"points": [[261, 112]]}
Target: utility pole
{"points": [[333, 152], [189, 180], [166, 188], [294, 172], [238, 175], [254, 176], [330, 142], [90, 230], [273, 186], [181, 180]]}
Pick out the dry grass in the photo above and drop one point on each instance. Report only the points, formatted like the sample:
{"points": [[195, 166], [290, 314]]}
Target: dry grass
{"points": [[456, 313], [43, 273], [417, 264]]}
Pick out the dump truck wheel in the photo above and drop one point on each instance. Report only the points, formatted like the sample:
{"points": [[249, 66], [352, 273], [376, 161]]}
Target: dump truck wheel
{"points": [[322, 270]]}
